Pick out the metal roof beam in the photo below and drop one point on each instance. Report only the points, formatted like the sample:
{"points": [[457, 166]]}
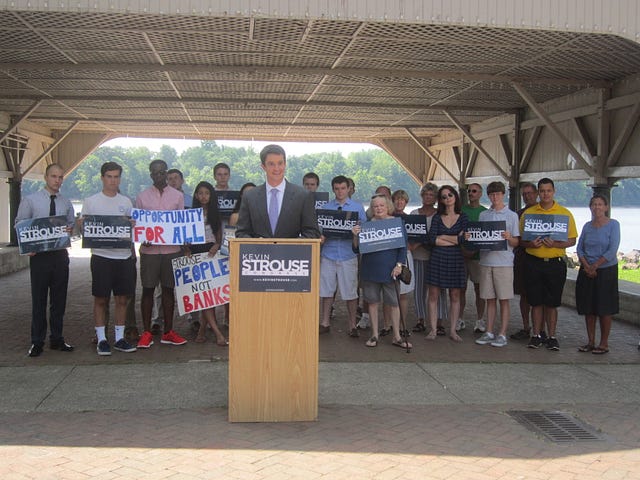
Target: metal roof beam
{"points": [[431, 155], [261, 101], [465, 131], [51, 147], [338, 71], [21, 119], [544, 116]]}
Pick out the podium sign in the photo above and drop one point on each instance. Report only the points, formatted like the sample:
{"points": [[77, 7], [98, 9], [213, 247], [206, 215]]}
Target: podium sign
{"points": [[275, 268], [273, 329]]}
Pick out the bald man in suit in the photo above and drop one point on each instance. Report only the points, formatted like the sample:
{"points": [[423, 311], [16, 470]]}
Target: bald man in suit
{"points": [[287, 212]]}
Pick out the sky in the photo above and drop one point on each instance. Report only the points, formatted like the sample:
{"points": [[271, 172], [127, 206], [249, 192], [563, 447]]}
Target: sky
{"points": [[292, 148]]}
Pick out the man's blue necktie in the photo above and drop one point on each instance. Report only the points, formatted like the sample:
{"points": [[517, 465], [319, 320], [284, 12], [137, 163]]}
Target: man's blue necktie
{"points": [[273, 209]]}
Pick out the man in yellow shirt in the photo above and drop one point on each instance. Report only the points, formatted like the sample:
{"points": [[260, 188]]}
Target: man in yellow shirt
{"points": [[546, 267]]}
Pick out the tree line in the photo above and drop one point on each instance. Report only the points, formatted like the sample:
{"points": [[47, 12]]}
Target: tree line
{"points": [[368, 168]]}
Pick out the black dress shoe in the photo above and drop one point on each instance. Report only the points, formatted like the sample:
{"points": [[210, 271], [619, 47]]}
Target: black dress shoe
{"points": [[35, 350], [63, 347]]}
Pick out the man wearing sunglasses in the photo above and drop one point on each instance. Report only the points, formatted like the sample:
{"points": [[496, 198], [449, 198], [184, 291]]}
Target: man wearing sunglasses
{"points": [[473, 209]]}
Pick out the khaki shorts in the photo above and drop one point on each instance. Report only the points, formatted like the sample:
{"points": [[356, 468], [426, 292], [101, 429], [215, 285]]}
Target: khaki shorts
{"points": [[473, 269], [156, 269], [339, 275], [496, 282]]}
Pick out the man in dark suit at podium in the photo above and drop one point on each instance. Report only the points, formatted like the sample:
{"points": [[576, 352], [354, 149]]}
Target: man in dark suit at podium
{"points": [[277, 208]]}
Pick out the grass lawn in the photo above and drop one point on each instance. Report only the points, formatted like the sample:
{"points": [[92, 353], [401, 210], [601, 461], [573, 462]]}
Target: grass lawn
{"points": [[628, 275]]}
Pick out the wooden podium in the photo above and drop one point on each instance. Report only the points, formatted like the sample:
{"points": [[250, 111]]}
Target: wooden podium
{"points": [[273, 334]]}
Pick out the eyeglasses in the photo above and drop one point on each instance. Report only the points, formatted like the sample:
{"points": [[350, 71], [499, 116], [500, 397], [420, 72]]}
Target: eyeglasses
{"points": [[444, 196], [473, 190]]}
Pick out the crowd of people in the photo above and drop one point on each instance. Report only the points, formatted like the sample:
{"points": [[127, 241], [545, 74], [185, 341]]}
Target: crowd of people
{"points": [[441, 264]]}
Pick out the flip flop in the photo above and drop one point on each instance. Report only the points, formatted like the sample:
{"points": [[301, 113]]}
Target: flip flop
{"points": [[372, 342], [599, 351], [401, 344], [586, 348]]}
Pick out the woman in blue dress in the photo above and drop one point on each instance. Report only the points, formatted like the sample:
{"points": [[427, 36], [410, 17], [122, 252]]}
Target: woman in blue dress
{"points": [[446, 264], [597, 283]]}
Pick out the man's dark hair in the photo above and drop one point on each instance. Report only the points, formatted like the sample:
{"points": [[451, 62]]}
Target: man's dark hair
{"points": [[110, 167], [220, 165], [52, 165], [156, 161], [311, 175], [175, 170], [339, 179], [494, 187], [547, 181], [272, 149]]}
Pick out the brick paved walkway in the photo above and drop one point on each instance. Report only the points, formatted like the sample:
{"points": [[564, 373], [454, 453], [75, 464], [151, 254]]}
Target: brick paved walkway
{"points": [[437, 434], [439, 442]]}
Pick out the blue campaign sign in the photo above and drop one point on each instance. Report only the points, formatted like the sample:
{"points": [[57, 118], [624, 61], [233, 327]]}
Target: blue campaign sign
{"points": [[416, 228], [106, 231], [337, 223], [536, 225], [227, 200], [320, 198], [486, 235], [43, 234], [275, 268], [379, 235]]}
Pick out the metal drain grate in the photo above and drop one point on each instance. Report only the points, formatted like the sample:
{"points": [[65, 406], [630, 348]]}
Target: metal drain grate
{"points": [[558, 427]]}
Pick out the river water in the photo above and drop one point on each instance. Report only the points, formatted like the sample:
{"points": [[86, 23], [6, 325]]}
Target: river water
{"points": [[629, 219]]}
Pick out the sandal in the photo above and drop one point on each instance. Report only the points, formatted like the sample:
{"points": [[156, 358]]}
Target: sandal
{"points": [[372, 342], [419, 327], [401, 344], [384, 332], [600, 351], [431, 335], [440, 331], [354, 333], [223, 343], [586, 348], [456, 338]]}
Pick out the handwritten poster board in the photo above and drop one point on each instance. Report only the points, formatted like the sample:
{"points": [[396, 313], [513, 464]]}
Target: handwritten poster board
{"points": [[168, 227], [201, 281]]}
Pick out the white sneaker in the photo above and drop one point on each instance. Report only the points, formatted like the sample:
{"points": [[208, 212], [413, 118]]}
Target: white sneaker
{"points": [[486, 338], [480, 327], [460, 325], [500, 341], [364, 322]]}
